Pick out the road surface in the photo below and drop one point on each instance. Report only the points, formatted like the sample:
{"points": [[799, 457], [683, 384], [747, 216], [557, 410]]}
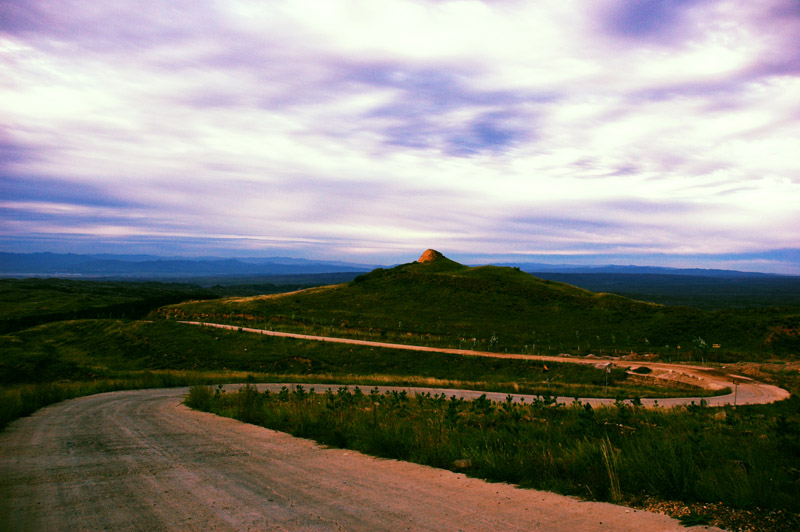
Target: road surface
{"points": [[744, 390], [140, 460]]}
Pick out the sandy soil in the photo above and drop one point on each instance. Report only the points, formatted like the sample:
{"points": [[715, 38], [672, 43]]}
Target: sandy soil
{"points": [[142, 461]]}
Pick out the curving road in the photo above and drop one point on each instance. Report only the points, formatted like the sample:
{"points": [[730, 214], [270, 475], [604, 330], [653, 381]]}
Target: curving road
{"points": [[142, 461], [744, 389]]}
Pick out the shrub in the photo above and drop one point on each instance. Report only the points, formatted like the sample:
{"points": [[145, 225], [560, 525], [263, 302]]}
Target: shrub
{"points": [[200, 398]]}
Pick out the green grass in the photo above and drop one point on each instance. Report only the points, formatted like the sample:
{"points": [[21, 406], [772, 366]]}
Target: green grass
{"points": [[503, 309], [740, 457]]}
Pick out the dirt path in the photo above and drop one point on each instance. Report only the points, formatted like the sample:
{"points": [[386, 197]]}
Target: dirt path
{"points": [[142, 461], [744, 389]]}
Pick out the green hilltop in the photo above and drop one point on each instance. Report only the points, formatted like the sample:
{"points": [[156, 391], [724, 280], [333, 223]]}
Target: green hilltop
{"points": [[437, 301]]}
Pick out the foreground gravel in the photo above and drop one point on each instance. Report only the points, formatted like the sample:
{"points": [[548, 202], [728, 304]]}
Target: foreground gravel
{"points": [[141, 460]]}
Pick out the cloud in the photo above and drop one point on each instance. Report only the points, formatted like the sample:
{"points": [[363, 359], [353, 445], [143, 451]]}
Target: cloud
{"points": [[648, 19], [661, 126]]}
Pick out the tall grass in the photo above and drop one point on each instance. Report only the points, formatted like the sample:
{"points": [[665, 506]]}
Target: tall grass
{"points": [[617, 453], [610, 461]]}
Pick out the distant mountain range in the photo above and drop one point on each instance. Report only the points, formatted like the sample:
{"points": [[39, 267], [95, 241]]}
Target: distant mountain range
{"points": [[152, 266], [534, 268]]}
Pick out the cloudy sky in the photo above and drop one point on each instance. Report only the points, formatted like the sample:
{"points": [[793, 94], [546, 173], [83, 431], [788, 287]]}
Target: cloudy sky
{"points": [[605, 131]]}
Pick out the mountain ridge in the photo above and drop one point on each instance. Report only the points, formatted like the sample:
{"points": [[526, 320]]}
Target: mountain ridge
{"points": [[151, 266]]}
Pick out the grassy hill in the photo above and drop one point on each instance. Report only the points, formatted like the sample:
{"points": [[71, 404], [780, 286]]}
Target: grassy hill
{"points": [[441, 302]]}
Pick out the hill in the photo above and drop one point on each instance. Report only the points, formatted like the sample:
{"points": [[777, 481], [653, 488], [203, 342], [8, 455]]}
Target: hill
{"points": [[441, 302]]}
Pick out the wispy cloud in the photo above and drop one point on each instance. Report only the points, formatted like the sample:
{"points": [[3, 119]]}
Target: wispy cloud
{"points": [[663, 126]]}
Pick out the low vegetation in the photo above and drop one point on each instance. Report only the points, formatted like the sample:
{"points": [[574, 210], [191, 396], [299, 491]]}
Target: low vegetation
{"points": [[745, 458]]}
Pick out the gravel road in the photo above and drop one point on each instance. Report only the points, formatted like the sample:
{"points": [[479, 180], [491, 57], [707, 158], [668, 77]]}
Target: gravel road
{"points": [[141, 460]]}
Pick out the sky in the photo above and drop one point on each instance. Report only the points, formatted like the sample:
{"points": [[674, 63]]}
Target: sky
{"points": [[579, 132]]}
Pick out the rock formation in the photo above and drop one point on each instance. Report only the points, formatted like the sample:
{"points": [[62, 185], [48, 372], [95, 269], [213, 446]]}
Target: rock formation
{"points": [[430, 255]]}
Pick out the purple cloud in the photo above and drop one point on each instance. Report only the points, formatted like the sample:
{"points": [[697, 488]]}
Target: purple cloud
{"points": [[29, 189], [425, 98], [514, 126], [13, 153], [652, 20]]}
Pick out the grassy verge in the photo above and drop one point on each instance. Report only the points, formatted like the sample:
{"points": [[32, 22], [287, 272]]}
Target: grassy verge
{"points": [[744, 458]]}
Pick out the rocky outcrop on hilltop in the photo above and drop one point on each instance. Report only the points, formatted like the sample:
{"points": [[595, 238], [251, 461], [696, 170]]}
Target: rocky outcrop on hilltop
{"points": [[430, 255]]}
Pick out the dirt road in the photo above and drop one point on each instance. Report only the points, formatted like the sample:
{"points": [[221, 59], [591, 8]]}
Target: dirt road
{"points": [[744, 390], [142, 461]]}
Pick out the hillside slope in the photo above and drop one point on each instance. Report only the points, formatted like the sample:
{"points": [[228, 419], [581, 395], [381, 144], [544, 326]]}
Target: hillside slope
{"points": [[442, 302]]}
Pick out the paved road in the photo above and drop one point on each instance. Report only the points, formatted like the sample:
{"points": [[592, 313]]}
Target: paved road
{"points": [[744, 390], [142, 461]]}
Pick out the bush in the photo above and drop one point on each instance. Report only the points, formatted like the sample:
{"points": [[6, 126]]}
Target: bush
{"points": [[200, 398]]}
